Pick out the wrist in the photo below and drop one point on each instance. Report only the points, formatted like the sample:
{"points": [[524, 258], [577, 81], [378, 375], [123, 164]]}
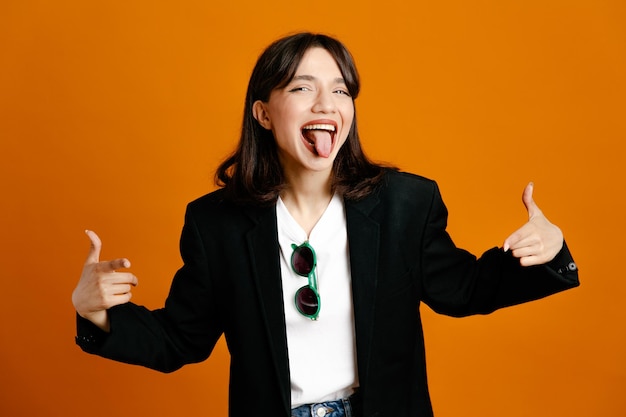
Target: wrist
{"points": [[98, 318]]}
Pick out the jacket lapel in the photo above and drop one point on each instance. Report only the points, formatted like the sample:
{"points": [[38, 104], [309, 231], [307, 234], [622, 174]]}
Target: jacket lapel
{"points": [[263, 249], [363, 242]]}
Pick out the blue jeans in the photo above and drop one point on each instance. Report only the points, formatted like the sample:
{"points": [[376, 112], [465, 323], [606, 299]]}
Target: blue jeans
{"points": [[339, 408]]}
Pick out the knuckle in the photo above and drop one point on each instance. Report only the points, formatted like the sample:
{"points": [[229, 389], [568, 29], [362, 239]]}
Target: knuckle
{"points": [[102, 287], [103, 303]]}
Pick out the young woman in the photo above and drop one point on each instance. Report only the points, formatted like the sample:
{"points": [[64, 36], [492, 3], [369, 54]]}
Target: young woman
{"points": [[313, 261]]}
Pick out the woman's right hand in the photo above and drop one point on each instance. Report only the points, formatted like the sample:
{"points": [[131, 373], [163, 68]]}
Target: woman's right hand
{"points": [[100, 287]]}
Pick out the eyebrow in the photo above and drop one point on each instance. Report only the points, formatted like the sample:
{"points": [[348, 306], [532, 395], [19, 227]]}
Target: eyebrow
{"points": [[338, 80]]}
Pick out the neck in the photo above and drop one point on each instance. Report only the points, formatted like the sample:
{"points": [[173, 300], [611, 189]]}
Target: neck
{"points": [[306, 197]]}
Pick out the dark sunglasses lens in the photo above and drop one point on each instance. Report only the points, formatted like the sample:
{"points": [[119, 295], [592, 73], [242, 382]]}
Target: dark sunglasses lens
{"points": [[302, 260], [306, 301]]}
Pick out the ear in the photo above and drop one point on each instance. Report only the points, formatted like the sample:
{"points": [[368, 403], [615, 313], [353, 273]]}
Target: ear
{"points": [[260, 113]]}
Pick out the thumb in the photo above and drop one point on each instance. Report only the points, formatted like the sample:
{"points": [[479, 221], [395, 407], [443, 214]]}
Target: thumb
{"points": [[529, 202], [94, 250]]}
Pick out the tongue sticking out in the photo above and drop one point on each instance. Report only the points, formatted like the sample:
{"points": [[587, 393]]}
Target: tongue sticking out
{"points": [[321, 139]]}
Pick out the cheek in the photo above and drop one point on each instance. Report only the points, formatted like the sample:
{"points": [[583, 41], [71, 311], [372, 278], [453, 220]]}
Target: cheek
{"points": [[280, 121], [348, 119], [347, 109]]}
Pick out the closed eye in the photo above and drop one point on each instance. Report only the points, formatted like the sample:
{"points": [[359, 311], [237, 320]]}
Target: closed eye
{"points": [[293, 90], [343, 92]]}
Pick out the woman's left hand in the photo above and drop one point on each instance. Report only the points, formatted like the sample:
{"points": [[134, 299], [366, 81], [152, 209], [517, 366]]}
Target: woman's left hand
{"points": [[538, 241]]}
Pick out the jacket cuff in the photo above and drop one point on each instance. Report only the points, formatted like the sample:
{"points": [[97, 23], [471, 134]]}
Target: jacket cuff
{"points": [[563, 263], [89, 336]]}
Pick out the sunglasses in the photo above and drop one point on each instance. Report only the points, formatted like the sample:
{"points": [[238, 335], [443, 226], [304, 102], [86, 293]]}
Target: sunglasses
{"points": [[303, 263]]}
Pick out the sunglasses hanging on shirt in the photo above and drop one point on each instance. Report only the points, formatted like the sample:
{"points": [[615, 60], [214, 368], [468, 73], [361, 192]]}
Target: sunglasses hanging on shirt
{"points": [[303, 263]]}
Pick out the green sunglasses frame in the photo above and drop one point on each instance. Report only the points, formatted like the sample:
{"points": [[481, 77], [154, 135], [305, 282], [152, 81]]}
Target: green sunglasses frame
{"points": [[311, 276]]}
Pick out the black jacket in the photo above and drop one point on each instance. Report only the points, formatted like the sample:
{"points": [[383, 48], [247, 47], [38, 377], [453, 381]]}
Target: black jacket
{"points": [[400, 255]]}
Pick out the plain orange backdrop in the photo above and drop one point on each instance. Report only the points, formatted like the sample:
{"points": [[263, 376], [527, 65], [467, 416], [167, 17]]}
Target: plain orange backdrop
{"points": [[113, 115]]}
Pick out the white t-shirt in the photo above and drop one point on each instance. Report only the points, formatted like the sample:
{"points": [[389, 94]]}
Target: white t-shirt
{"points": [[322, 353]]}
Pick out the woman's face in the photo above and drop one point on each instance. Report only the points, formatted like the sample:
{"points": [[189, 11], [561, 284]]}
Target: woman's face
{"points": [[311, 116]]}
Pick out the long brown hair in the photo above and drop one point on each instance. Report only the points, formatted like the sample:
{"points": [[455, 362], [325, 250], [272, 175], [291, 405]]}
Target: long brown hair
{"points": [[253, 173]]}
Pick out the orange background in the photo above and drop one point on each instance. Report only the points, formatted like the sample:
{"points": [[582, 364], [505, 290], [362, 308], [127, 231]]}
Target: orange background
{"points": [[113, 115]]}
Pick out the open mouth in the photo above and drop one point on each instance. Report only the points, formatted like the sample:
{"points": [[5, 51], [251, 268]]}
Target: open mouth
{"points": [[320, 137]]}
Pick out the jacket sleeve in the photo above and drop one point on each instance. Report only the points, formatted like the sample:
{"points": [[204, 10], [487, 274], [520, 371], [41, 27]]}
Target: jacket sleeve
{"points": [[184, 331], [456, 283]]}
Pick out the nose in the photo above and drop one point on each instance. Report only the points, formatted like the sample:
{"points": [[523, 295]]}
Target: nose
{"points": [[324, 103]]}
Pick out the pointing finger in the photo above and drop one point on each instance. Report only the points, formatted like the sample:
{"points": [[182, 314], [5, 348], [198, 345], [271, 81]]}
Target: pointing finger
{"points": [[521, 237], [512, 241], [115, 264]]}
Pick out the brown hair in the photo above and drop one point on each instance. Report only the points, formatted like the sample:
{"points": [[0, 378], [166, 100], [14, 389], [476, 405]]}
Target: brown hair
{"points": [[253, 172]]}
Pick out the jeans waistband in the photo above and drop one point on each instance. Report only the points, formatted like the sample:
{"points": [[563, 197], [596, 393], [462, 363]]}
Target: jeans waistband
{"points": [[346, 407]]}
